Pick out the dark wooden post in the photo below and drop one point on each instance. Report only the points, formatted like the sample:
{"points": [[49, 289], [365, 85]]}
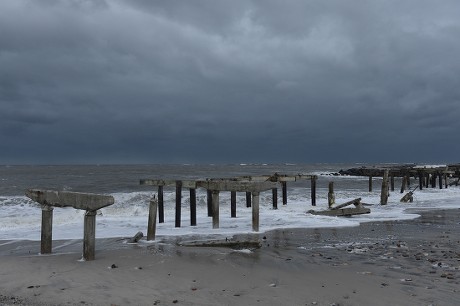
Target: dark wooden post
{"points": [[152, 224], [47, 230], [440, 180], [433, 180], [215, 209], [233, 204], [384, 193], [403, 183], [275, 198], [370, 183], [161, 207], [255, 211], [331, 195], [427, 180], [89, 235], [392, 182], [192, 206], [445, 180], [209, 202], [284, 190], [178, 202], [248, 199], [420, 180], [313, 190]]}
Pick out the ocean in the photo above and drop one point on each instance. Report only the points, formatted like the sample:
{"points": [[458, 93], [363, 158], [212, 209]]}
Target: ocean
{"points": [[20, 218]]}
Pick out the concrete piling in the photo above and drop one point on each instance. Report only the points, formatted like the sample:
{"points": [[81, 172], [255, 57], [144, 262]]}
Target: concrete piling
{"points": [[47, 230], [89, 235], [215, 209], [152, 224], [233, 204], [255, 211]]}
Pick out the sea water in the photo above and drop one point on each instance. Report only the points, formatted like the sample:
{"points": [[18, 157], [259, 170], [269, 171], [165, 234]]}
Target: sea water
{"points": [[20, 217]]}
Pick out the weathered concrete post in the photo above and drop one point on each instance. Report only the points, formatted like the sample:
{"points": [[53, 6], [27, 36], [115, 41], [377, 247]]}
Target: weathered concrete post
{"points": [[152, 224], [445, 180], [370, 183], [392, 182], [255, 211], [384, 193], [89, 235], [284, 190], [331, 195], [233, 204], [47, 229], [161, 207], [275, 198], [215, 209], [313, 190], [248, 199], [427, 180], [209, 202], [192, 206], [433, 180], [440, 180], [178, 202]]}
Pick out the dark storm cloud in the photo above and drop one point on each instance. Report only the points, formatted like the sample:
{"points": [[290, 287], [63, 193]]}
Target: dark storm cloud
{"points": [[206, 81]]}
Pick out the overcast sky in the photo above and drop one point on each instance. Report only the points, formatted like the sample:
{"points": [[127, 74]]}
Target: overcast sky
{"points": [[169, 81]]}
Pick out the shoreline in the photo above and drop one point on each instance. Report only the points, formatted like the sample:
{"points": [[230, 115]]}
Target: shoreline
{"points": [[405, 262]]}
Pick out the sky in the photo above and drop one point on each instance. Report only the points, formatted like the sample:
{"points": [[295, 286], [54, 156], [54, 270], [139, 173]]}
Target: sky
{"points": [[295, 81]]}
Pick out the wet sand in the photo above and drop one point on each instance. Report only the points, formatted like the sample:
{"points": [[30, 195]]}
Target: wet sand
{"points": [[410, 262]]}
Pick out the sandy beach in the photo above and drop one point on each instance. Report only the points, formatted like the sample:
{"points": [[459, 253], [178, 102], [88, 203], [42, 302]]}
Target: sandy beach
{"points": [[409, 262]]}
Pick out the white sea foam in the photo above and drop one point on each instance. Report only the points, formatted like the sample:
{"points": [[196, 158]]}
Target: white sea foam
{"points": [[21, 218]]}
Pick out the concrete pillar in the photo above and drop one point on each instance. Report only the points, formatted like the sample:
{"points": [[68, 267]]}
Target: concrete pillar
{"points": [[192, 206], [331, 195], [403, 183], [89, 235], [384, 193], [215, 209], [275, 198], [161, 209], [152, 225], [440, 180], [420, 180], [392, 182], [47, 230], [233, 204], [370, 183], [255, 211]]}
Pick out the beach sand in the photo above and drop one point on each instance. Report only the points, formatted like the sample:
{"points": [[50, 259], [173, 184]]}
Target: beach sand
{"points": [[409, 262]]}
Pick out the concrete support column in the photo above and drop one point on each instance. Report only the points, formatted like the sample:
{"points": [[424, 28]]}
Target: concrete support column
{"points": [[209, 202], [384, 194], [248, 199], [89, 235], [215, 209], [47, 230], [161, 207], [313, 191], [152, 225], [255, 211], [275, 198], [178, 202], [233, 204], [192, 206], [284, 191], [370, 183]]}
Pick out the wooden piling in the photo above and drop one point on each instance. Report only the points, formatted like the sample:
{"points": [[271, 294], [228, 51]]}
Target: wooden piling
{"points": [[403, 183], [89, 235], [331, 195], [209, 202], [370, 183], [248, 199], [178, 202], [233, 204], [284, 190], [47, 230], [215, 209], [192, 206], [161, 209], [313, 190], [152, 224], [384, 192], [275, 198], [255, 211]]}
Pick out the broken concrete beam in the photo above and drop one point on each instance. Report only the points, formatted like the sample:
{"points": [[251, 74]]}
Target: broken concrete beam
{"points": [[85, 201], [342, 212], [356, 202], [136, 238], [238, 186]]}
